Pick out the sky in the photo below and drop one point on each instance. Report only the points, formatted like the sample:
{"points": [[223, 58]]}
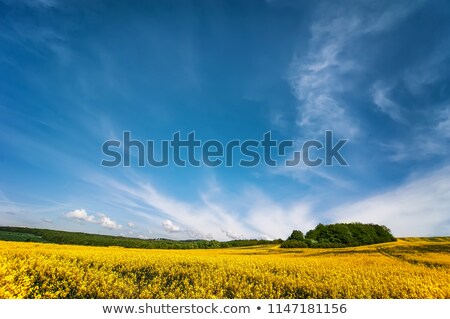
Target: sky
{"points": [[74, 74]]}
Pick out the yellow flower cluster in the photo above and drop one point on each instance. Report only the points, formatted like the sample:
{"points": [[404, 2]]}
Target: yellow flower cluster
{"points": [[405, 269]]}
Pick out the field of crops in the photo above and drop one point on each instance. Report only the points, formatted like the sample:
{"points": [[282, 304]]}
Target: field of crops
{"points": [[411, 268]]}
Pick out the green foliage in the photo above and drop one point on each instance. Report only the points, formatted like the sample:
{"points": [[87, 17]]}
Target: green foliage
{"points": [[296, 235], [25, 237], [292, 243], [327, 245], [348, 235], [73, 238]]}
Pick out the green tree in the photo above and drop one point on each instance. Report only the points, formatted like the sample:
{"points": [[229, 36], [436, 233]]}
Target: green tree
{"points": [[296, 235], [292, 243]]}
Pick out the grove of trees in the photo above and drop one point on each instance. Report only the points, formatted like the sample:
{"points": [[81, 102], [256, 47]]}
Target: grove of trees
{"points": [[323, 236], [339, 235]]}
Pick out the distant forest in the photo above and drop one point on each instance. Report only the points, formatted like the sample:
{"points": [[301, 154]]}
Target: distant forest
{"points": [[74, 238], [323, 236]]}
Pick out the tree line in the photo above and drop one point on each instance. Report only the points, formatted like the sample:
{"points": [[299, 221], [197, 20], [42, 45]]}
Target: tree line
{"points": [[77, 238]]}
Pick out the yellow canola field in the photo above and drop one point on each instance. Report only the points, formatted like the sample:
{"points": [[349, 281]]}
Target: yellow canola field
{"points": [[405, 269]]}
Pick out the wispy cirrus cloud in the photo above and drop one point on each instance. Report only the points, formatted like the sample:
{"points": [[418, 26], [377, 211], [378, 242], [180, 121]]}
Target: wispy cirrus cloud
{"points": [[33, 3], [331, 67], [213, 215], [380, 95], [443, 122], [13, 213], [425, 140], [430, 69], [333, 82]]}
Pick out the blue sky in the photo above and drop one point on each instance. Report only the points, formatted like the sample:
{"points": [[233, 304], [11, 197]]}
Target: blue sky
{"points": [[74, 74]]}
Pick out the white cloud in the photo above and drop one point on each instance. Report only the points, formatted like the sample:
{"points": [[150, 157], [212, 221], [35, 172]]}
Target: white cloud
{"points": [[45, 3], [278, 120], [29, 215], [107, 222], [418, 148], [423, 141], [308, 175], [244, 215], [232, 235], [331, 67], [384, 18], [170, 227], [278, 221], [316, 78], [419, 207], [322, 112], [33, 3], [443, 122], [131, 224], [429, 69], [380, 96], [199, 234], [80, 215], [265, 237]]}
